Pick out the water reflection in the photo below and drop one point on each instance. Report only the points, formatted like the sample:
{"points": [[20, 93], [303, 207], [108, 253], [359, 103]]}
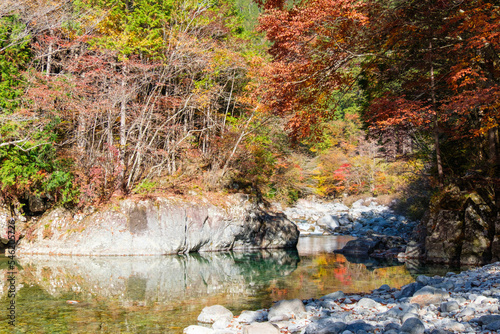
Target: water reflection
{"points": [[158, 278], [314, 244], [166, 294]]}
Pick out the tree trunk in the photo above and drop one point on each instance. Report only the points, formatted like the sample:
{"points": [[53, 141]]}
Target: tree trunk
{"points": [[49, 57], [80, 134], [439, 163], [493, 150], [123, 135]]}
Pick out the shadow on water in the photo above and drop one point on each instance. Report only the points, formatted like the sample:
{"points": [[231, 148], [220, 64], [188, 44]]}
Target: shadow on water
{"points": [[166, 293]]}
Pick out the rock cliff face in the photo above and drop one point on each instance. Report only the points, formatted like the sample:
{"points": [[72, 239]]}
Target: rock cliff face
{"points": [[463, 228], [158, 226]]}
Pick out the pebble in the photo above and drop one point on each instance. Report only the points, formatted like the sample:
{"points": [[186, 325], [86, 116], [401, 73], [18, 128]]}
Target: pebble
{"points": [[449, 306], [457, 311]]}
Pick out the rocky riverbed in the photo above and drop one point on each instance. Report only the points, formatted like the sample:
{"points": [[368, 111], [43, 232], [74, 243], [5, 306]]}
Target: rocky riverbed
{"points": [[380, 232], [457, 303], [364, 217]]}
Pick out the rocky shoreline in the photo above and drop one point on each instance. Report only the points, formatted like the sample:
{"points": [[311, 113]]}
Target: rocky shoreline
{"points": [[157, 226], [457, 303]]}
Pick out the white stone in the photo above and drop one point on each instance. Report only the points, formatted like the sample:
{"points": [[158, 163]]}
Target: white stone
{"points": [[198, 330], [211, 314]]}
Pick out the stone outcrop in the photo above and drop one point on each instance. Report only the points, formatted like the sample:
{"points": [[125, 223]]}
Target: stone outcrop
{"points": [[377, 246], [158, 226], [462, 228]]}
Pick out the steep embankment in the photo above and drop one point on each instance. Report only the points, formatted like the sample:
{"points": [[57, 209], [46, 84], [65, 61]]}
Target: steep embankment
{"points": [[158, 226]]}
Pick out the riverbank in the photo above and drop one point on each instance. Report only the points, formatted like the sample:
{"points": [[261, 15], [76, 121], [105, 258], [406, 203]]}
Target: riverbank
{"points": [[456, 303], [167, 293], [158, 226]]}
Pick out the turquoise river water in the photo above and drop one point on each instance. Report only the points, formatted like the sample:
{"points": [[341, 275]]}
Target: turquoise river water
{"points": [[164, 294]]}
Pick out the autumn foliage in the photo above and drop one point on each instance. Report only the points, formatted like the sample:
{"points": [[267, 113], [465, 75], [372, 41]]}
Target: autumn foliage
{"points": [[312, 43], [428, 69], [124, 97], [106, 98]]}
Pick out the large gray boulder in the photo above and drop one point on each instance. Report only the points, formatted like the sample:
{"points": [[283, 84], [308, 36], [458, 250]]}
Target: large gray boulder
{"points": [[286, 309], [360, 247], [211, 314], [328, 223], [158, 226]]}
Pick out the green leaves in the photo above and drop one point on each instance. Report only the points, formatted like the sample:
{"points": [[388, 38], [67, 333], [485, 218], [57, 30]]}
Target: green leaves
{"points": [[33, 166], [35, 170], [14, 55]]}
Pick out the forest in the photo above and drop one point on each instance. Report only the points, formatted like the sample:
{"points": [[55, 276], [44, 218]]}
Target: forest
{"points": [[103, 99]]}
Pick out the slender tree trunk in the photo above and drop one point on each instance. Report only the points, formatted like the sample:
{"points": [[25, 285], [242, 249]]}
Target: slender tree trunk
{"points": [[123, 134], [439, 163], [227, 107], [242, 135], [80, 133], [49, 56], [493, 150], [110, 128]]}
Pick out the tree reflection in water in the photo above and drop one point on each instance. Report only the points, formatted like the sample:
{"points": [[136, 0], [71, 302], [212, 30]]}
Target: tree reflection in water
{"points": [[166, 294]]}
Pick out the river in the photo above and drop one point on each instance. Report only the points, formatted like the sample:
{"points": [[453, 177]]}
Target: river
{"points": [[164, 294]]}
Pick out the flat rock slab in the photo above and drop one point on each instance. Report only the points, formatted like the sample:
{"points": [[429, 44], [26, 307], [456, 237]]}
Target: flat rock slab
{"points": [[429, 295], [285, 309], [198, 330], [260, 328], [247, 317], [211, 314]]}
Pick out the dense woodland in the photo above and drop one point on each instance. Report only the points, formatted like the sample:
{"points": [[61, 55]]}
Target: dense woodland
{"points": [[280, 99]]}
